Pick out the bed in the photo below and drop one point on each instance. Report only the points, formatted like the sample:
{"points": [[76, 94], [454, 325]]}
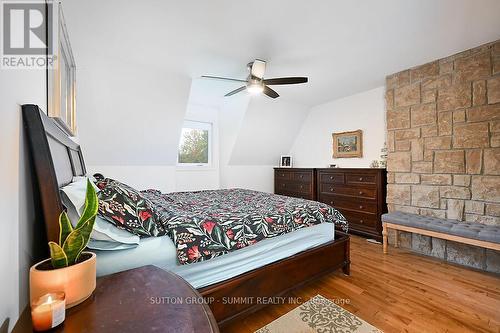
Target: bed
{"points": [[254, 271]]}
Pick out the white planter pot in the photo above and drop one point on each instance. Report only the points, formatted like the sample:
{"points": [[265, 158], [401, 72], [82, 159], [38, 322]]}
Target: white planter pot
{"points": [[77, 281]]}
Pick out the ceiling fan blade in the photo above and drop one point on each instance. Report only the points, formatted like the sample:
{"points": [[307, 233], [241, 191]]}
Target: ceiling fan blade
{"points": [[285, 80], [271, 93], [258, 68], [231, 93], [222, 78]]}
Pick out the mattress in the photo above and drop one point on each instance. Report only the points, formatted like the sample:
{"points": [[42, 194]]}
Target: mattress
{"points": [[161, 252]]}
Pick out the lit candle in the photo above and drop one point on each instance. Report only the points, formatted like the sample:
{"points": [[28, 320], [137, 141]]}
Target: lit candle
{"points": [[48, 311]]}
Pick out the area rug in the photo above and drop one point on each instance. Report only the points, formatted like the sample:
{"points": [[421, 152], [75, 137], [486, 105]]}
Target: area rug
{"points": [[318, 315]]}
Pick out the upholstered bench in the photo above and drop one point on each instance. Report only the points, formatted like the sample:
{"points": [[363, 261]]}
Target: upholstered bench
{"points": [[476, 234]]}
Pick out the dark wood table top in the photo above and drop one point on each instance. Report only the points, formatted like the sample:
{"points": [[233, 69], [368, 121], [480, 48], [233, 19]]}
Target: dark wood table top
{"points": [[144, 299]]}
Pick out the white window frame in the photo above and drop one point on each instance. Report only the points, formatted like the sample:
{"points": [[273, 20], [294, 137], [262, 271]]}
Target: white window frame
{"points": [[201, 125]]}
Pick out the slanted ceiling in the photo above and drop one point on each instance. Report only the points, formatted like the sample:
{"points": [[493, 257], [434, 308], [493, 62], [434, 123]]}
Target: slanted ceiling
{"points": [[138, 63]]}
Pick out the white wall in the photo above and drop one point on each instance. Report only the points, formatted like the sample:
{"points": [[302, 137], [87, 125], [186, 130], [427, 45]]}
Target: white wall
{"points": [[17, 87], [366, 111]]}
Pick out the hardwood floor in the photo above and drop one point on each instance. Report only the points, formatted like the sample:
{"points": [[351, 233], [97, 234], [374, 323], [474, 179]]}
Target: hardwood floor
{"points": [[401, 292]]}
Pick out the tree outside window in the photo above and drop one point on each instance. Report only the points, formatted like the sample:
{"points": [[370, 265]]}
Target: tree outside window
{"points": [[195, 144]]}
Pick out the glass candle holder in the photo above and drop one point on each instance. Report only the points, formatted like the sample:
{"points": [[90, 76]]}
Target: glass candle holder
{"points": [[48, 311]]}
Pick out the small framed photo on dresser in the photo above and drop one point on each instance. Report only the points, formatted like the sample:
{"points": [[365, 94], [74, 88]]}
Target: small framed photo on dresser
{"points": [[285, 161]]}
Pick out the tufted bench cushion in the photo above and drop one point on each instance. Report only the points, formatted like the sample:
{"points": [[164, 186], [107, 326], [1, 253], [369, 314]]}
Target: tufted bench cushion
{"points": [[477, 231]]}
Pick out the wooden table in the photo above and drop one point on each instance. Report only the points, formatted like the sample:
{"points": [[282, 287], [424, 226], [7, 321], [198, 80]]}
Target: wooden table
{"points": [[139, 300]]}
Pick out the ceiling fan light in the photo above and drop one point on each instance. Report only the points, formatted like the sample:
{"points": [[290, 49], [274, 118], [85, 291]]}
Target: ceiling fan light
{"points": [[255, 88]]}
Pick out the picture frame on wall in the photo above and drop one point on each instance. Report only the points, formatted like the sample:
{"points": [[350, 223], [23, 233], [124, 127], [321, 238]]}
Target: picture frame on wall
{"points": [[61, 78], [348, 144], [285, 161]]}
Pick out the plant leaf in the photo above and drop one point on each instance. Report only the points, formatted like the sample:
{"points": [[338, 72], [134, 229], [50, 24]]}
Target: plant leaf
{"points": [[91, 205], [57, 256], [73, 246], [65, 227]]}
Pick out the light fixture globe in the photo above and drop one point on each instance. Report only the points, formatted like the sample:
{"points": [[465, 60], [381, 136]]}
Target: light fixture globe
{"points": [[255, 86]]}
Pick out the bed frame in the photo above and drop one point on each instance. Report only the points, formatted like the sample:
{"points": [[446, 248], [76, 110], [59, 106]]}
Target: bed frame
{"points": [[57, 159]]}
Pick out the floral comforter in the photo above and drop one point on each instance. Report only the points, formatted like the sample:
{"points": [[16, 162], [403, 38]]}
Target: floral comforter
{"points": [[207, 224]]}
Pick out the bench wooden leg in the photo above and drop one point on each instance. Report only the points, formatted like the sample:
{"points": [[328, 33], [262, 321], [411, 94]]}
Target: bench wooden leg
{"points": [[396, 241], [384, 238]]}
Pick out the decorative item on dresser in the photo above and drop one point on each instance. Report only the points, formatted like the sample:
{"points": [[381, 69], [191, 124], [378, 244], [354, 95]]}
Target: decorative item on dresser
{"points": [[295, 182], [359, 194]]}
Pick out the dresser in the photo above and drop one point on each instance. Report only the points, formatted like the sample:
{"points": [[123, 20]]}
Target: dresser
{"points": [[295, 182], [359, 194]]}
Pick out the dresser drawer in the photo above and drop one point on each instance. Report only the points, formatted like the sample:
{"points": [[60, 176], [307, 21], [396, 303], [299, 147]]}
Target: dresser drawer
{"points": [[303, 177], [340, 202], [368, 193], [361, 179], [293, 187], [360, 219], [306, 196], [285, 175], [332, 178]]}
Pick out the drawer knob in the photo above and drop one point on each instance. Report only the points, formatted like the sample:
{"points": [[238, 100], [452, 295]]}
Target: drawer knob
{"points": [[361, 221], [331, 177], [360, 207], [332, 189], [331, 203], [360, 178], [360, 192], [283, 185], [301, 187], [301, 176], [282, 175]]}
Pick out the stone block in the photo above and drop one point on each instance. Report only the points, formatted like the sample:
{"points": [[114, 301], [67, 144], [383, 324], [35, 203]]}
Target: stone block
{"points": [[474, 207], [494, 90], [486, 188], [493, 261], [428, 131], [435, 179], [479, 93], [424, 71], [422, 167], [413, 133], [473, 160], [455, 192], [495, 126], [421, 244], [402, 145], [437, 82], [438, 248], [495, 140], [390, 141], [473, 67], [407, 95], [399, 162], [445, 123], [399, 118], [399, 194], [459, 116], [455, 209], [445, 67], [461, 180], [407, 209], [440, 214], [482, 219], [390, 177], [428, 155], [424, 114], [405, 239], [449, 161], [466, 255], [398, 79], [417, 149], [454, 97], [389, 99], [493, 210], [443, 204], [429, 96], [484, 113], [495, 57], [407, 178], [438, 142], [425, 196], [491, 161], [474, 135]]}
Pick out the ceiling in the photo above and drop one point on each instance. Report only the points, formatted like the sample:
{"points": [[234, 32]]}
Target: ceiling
{"points": [[344, 47]]}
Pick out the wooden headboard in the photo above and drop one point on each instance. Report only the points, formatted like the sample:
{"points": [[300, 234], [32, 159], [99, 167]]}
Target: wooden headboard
{"points": [[56, 159]]}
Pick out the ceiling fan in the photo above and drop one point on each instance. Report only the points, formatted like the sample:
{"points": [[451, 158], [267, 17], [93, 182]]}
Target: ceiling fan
{"points": [[256, 83]]}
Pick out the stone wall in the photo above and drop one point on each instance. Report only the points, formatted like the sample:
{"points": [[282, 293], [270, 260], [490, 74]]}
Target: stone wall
{"points": [[443, 137]]}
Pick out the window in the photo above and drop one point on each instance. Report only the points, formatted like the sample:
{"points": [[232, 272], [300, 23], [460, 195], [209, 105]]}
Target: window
{"points": [[195, 145]]}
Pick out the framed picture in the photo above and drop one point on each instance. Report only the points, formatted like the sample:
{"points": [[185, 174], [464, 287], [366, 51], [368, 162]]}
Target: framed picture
{"points": [[285, 161], [348, 144], [61, 94]]}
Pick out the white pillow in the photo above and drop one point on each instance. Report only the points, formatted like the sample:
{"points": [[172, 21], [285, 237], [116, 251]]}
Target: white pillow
{"points": [[73, 198]]}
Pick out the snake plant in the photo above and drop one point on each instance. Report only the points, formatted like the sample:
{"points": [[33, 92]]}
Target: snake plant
{"points": [[72, 241]]}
